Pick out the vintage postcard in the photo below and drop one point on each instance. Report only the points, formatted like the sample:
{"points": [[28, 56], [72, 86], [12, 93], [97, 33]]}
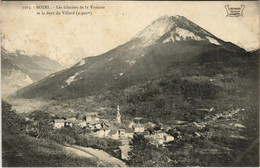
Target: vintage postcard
{"points": [[129, 83]]}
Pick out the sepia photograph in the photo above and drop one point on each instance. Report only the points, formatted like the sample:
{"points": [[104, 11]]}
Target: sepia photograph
{"points": [[129, 83]]}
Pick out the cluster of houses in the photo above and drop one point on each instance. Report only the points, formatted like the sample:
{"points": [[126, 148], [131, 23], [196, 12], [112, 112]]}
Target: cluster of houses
{"points": [[103, 128], [92, 121]]}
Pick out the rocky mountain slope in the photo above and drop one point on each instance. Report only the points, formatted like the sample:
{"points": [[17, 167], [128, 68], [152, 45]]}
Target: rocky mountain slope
{"points": [[19, 70], [165, 44], [12, 77]]}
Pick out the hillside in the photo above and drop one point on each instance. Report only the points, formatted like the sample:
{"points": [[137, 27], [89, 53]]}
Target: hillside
{"points": [[40, 153], [159, 48], [21, 150]]}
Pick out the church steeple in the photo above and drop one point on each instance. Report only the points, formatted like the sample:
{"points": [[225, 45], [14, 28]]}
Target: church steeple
{"points": [[118, 115]]}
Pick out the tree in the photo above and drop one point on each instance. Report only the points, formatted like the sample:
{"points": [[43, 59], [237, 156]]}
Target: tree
{"points": [[78, 116], [12, 123], [41, 123], [146, 155]]}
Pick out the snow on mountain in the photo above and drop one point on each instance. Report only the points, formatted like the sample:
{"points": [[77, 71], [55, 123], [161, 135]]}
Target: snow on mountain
{"points": [[37, 67], [178, 27], [148, 55], [20, 70], [182, 34], [73, 78], [66, 56], [82, 62], [153, 32], [213, 41], [168, 40], [185, 34], [132, 47]]}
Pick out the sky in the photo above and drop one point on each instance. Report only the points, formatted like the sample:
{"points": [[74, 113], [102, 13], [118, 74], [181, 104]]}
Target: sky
{"points": [[67, 39]]}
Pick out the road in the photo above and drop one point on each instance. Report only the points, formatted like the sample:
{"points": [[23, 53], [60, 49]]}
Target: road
{"points": [[99, 154], [78, 152]]}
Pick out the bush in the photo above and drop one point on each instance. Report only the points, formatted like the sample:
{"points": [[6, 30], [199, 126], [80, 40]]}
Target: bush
{"points": [[69, 140], [11, 122]]}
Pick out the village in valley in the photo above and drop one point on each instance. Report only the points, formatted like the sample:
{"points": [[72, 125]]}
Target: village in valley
{"points": [[119, 135], [117, 129]]}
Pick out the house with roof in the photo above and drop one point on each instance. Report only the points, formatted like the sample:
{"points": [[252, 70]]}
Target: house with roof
{"points": [[129, 133], [122, 133], [92, 117], [106, 123], [69, 122], [72, 119], [94, 124], [150, 125], [81, 123], [138, 119], [165, 128], [58, 123], [159, 133], [159, 138], [138, 128], [102, 133], [114, 134], [166, 137]]}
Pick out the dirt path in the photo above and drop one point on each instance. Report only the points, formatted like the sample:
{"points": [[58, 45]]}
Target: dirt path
{"points": [[78, 152], [101, 155]]}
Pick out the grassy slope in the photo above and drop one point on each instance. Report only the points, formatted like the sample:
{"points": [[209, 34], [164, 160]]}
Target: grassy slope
{"points": [[25, 151]]}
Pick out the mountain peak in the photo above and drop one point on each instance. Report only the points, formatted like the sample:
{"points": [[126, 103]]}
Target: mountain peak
{"points": [[177, 27], [167, 18], [158, 24], [157, 29]]}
